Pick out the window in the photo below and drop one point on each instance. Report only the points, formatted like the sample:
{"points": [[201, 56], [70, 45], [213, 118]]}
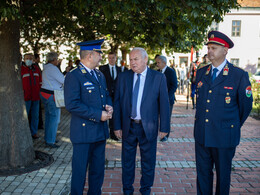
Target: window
{"points": [[234, 61], [236, 28], [214, 26]]}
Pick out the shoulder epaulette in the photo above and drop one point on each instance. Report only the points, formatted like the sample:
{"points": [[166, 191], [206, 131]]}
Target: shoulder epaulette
{"points": [[202, 66], [73, 69], [238, 67]]}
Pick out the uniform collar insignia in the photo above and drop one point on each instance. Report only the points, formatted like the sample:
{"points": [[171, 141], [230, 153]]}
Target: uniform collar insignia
{"points": [[83, 70], [208, 70], [226, 70]]}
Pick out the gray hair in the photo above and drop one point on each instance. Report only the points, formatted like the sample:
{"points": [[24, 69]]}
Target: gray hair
{"points": [[163, 59], [142, 50], [51, 56], [83, 53]]}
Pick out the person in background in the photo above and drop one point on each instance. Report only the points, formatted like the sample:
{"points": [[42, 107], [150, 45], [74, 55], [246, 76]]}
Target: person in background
{"points": [[37, 60], [205, 61], [88, 101], [123, 66], [193, 71], [69, 67], [31, 79], [111, 72], [172, 84], [77, 62], [52, 79], [224, 101], [141, 100]]}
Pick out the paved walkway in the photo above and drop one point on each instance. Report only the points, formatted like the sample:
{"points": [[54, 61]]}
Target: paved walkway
{"points": [[175, 166]]}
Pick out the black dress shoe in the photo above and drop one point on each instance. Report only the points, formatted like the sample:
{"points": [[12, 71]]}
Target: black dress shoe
{"points": [[35, 136], [52, 145], [131, 193], [164, 139]]}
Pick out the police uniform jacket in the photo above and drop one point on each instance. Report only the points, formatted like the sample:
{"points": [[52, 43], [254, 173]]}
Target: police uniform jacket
{"points": [[222, 106], [85, 99]]}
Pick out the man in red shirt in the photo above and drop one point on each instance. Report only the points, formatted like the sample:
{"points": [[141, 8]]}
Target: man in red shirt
{"points": [[31, 77]]}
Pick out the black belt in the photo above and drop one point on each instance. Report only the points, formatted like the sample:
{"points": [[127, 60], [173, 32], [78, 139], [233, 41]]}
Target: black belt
{"points": [[46, 91], [137, 121]]}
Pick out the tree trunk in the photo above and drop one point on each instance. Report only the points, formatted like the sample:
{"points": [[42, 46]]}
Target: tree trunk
{"points": [[124, 53], [16, 146]]}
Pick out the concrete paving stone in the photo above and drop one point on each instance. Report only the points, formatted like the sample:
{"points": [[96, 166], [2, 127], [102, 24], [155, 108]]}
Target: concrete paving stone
{"points": [[41, 185], [37, 191], [62, 181], [10, 178], [18, 190], [10, 188], [6, 193], [33, 184], [47, 190], [28, 190]]}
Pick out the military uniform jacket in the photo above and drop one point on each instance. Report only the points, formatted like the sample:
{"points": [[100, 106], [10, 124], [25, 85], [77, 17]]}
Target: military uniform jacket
{"points": [[222, 106], [85, 99]]}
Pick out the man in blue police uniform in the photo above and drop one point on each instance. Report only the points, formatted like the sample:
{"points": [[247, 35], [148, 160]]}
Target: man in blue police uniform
{"points": [[172, 83], [88, 101], [224, 101], [141, 98]]}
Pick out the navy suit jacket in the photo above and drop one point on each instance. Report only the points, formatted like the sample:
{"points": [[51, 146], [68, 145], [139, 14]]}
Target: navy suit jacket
{"points": [[111, 83], [172, 83], [85, 99], [222, 106], [154, 104]]}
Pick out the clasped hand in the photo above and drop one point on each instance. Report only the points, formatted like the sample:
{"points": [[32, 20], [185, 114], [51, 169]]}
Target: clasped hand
{"points": [[107, 114]]}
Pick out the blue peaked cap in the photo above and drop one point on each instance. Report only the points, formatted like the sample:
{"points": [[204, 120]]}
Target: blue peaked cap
{"points": [[94, 45]]}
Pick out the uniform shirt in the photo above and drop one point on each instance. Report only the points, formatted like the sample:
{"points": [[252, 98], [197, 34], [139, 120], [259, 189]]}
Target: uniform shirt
{"points": [[52, 78], [140, 92], [220, 67]]}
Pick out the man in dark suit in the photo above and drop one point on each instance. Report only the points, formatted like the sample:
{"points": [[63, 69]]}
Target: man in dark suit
{"points": [[224, 101], [111, 72], [88, 101], [172, 83], [141, 98]]}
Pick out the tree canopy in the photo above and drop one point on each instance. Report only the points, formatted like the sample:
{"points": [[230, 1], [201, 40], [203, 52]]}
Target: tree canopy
{"points": [[154, 24]]}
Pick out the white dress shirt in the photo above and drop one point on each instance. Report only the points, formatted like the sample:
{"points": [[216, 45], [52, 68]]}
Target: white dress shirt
{"points": [[140, 92], [110, 68], [220, 67]]}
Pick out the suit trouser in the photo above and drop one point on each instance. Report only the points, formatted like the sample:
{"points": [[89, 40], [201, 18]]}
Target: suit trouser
{"points": [[206, 158], [148, 159], [171, 107], [91, 156]]}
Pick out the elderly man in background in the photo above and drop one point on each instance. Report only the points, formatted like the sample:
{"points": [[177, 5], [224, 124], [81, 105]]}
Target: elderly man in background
{"points": [[52, 79], [172, 83]]}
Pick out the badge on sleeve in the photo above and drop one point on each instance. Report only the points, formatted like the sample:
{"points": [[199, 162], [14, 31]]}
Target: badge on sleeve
{"points": [[248, 91], [200, 84]]}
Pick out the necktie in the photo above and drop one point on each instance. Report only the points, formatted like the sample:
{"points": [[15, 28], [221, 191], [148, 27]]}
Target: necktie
{"points": [[214, 75], [93, 75], [113, 74], [135, 96]]}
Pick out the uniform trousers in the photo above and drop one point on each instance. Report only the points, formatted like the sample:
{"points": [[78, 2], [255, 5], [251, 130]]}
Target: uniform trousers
{"points": [[92, 157], [136, 136], [206, 158]]}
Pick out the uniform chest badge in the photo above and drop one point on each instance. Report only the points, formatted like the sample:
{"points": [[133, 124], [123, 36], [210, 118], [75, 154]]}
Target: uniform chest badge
{"points": [[228, 88], [228, 99], [248, 92], [88, 83], [200, 84]]}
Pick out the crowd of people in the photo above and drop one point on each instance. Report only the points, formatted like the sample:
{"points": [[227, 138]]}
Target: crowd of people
{"points": [[134, 106]]}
